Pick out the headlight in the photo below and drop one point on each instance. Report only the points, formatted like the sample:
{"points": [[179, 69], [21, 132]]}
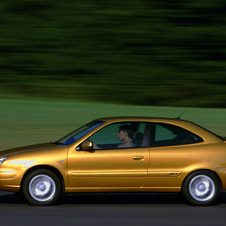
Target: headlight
{"points": [[3, 159]]}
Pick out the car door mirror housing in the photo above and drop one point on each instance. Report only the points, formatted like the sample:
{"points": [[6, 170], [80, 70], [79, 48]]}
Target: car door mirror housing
{"points": [[87, 144]]}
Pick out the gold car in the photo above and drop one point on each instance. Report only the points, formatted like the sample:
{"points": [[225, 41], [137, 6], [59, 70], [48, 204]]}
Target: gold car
{"points": [[121, 154]]}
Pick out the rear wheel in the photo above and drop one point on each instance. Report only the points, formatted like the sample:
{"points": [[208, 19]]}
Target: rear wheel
{"points": [[201, 188], [41, 187]]}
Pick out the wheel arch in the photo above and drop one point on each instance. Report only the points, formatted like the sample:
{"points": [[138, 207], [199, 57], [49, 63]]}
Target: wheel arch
{"points": [[208, 170], [50, 168]]}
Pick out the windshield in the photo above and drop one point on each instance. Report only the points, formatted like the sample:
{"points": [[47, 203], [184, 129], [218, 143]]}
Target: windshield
{"points": [[78, 133]]}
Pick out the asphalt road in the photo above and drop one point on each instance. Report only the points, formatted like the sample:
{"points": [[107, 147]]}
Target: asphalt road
{"points": [[112, 209]]}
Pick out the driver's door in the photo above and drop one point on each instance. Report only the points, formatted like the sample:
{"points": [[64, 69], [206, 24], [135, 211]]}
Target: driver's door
{"points": [[109, 166]]}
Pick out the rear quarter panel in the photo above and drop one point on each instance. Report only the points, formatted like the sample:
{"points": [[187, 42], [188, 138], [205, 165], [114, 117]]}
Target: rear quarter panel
{"points": [[169, 166]]}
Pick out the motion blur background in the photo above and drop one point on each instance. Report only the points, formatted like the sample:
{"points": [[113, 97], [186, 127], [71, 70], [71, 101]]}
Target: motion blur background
{"points": [[158, 52], [132, 52]]}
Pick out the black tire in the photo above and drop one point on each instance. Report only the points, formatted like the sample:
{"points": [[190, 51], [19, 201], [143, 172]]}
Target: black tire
{"points": [[201, 188], [41, 187]]}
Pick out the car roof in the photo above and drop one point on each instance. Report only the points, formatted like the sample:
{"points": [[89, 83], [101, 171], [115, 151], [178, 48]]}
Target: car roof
{"points": [[175, 121], [141, 118]]}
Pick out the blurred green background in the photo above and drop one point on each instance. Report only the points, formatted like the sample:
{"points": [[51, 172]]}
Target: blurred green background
{"points": [[24, 122], [64, 63], [141, 52]]}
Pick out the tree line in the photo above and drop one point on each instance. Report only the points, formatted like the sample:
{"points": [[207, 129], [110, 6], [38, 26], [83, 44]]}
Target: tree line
{"points": [[140, 52]]}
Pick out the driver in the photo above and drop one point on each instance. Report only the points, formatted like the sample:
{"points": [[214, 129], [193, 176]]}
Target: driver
{"points": [[124, 135]]}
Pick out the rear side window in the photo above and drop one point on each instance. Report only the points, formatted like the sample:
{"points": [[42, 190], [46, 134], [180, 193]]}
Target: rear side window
{"points": [[167, 135]]}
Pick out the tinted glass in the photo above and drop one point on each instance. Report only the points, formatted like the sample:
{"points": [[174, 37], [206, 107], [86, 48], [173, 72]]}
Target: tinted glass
{"points": [[168, 135], [77, 134], [107, 138]]}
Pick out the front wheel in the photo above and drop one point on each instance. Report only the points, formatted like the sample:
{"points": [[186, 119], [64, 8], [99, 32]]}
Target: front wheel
{"points": [[201, 188], [41, 187]]}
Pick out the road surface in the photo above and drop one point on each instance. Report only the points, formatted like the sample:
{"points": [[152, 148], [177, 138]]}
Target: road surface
{"points": [[112, 209]]}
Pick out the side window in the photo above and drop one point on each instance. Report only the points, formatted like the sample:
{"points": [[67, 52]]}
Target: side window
{"points": [[107, 135], [168, 135], [110, 137]]}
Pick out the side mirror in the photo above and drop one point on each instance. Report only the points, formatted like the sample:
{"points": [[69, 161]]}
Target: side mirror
{"points": [[87, 144]]}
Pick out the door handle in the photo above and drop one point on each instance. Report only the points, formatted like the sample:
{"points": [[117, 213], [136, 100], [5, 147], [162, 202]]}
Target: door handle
{"points": [[138, 157]]}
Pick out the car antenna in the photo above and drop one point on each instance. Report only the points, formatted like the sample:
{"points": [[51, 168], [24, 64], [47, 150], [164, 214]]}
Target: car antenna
{"points": [[181, 114]]}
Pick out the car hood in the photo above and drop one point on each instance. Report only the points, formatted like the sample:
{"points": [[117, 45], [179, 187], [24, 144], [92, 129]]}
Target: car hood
{"points": [[35, 147]]}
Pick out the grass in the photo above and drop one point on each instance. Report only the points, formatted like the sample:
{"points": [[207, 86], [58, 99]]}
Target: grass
{"points": [[25, 122]]}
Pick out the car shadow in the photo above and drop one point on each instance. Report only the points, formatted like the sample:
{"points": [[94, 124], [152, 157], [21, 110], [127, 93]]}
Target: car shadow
{"points": [[122, 198], [112, 198], [11, 198]]}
